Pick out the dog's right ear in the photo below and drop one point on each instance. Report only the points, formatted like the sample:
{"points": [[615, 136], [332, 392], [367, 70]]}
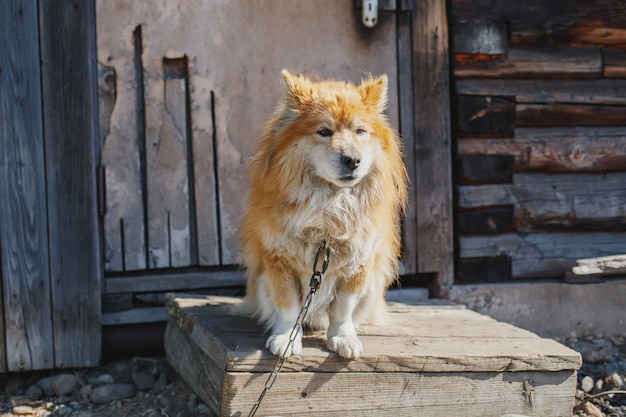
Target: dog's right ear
{"points": [[298, 88]]}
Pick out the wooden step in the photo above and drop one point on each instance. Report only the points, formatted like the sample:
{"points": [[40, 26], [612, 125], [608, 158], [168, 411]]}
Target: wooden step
{"points": [[429, 360]]}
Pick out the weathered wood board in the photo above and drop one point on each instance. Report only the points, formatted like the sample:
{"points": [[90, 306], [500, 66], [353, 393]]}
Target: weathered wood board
{"points": [[544, 201], [573, 149], [23, 211], [543, 255], [449, 361], [556, 62]]}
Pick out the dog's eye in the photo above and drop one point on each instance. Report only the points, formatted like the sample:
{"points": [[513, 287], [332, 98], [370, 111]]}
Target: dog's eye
{"points": [[360, 131], [325, 132]]}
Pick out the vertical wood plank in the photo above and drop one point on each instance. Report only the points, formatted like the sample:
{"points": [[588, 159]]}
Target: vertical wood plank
{"points": [[433, 149], [69, 87], [3, 344], [23, 221], [407, 124]]}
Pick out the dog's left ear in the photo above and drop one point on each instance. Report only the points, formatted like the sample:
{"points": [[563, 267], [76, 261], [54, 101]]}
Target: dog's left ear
{"points": [[374, 93]]}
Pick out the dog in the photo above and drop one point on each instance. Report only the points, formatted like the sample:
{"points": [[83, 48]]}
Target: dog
{"points": [[328, 171]]}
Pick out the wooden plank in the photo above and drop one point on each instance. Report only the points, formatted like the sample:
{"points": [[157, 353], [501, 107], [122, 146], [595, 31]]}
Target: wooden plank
{"points": [[166, 164], [549, 62], [69, 84], [23, 218], [599, 91], [433, 181], [543, 255], [462, 348], [560, 201], [614, 63], [553, 22], [489, 37], [548, 115], [392, 347], [175, 281], [492, 220], [123, 223], [135, 316], [485, 168], [615, 264], [407, 132], [548, 150], [485, 115], [471, 395], [487, 269]]}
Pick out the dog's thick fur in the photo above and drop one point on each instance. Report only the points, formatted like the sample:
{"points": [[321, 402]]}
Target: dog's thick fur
{"points": [[328, 168]]}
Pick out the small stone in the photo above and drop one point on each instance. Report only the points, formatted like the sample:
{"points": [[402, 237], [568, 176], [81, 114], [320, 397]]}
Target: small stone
{"points": [[587, 384], [614, 380], [591, 410], [598, 386], [160, 384], [64, 410], [23, 410], [203, 410], [101, 380], [106, 394], [34, 393], [143, 381], [46, 385], [65, 384]]}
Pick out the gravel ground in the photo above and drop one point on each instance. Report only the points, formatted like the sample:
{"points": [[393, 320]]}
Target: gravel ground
{"points": [[147, 387]]}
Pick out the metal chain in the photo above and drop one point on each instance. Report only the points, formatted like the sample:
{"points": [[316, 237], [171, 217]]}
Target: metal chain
{"points": [[314, 284]]}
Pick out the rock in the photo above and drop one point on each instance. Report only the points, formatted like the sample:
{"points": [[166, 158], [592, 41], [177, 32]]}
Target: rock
{"points": [[599, 350], [614, 381], [34, 393], [65, 384], [160, 384], [143, 381], [591, 410], [203, 410], [23, 410], [101, 380], [587, 384], [64, 410], [598, 386], [106, 394], [46, 386]]}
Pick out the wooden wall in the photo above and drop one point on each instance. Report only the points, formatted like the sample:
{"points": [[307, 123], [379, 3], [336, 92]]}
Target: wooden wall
{"points": [[539, 113], [50, 266]]}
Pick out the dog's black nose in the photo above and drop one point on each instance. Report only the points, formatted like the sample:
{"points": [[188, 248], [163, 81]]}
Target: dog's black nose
{"points": [[349, 162]]}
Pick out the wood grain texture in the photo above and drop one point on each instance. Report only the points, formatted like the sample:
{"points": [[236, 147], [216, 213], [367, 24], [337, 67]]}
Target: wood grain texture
{"points": [[553, 22], [549, 115], [559, 201], [543, 255], [488, 37], [23, 218], [550, 150], [175, 282], [485, 115], [406, 116], [599, 91], [606, 265], [70, 108], [551, 62], [462, 348], [614, 63], [433, 183]]}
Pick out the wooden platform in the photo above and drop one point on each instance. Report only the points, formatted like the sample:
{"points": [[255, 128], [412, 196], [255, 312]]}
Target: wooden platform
{"points": [[430, 360]]}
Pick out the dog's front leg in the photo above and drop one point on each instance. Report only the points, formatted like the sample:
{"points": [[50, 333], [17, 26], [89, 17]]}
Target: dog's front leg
{"points": [[284, 322], [342, 336]]}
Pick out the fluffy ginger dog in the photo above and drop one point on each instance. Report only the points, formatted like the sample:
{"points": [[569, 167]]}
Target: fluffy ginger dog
{"points": [[328, 169]]}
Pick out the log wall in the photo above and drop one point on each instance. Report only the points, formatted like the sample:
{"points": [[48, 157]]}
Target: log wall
{"points": [[539, 104]]}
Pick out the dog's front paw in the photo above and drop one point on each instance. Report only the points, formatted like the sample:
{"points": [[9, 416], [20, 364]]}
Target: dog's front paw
{"points": [[345, 346], [278, 344]]}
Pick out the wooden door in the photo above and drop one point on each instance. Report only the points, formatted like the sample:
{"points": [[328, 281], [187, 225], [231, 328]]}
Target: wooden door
{"points": [[186, 88]]}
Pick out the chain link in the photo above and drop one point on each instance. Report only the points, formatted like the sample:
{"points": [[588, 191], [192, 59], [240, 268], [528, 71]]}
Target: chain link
{"points": [[314, 284]]}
